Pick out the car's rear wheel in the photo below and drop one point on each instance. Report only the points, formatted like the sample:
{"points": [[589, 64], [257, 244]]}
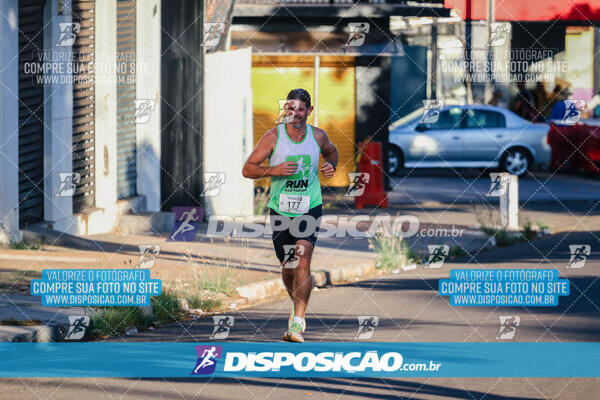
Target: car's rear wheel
{"points": [[395, 160], [516, 161]]}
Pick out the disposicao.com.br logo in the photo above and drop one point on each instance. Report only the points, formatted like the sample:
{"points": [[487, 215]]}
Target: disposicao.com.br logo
{"points": [[316, 363]]}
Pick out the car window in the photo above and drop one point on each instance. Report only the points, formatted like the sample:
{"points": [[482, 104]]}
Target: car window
{"points": [[480, 119], [408, 119], [448, 119]]}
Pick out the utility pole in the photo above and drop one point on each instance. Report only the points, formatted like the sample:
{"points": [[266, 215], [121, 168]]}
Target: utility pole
{"points": [[468, 55], [434, 59], [489, 86], [317, 67]]}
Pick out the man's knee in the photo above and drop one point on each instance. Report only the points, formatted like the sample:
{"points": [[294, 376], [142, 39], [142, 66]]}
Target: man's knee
{"points": [[304, 249], [303, 264], [304, 259]]}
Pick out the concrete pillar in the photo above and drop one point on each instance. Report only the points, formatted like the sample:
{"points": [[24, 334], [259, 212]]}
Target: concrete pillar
{"points": [[58, 121], [148, 135], [106, 110], [9, 121], [227, 86]]}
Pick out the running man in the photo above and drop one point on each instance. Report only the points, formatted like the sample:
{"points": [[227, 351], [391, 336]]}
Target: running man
{"points": [[293, 150], [207, 361]]}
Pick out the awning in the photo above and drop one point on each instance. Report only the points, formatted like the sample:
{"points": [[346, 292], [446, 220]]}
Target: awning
{"points": [[341, 28]]}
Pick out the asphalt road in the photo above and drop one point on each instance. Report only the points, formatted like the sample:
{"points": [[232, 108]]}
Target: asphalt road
{"points": [[409, 310], [460, 186]]}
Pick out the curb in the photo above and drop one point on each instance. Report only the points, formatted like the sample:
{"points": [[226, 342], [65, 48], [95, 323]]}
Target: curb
{"points": [[258, 291], [38, 333], [352, 273]]}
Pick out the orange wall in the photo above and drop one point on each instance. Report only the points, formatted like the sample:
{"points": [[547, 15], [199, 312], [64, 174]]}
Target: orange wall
{"points": [[336, 108]]}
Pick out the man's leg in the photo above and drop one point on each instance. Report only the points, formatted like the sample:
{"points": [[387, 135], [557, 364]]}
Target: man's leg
{"points": [[287, 274], [282, 238], [302, 281]]}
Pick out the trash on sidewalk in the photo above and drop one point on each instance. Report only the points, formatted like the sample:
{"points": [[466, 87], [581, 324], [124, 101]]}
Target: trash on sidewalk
{"points": [[184, 304], [132, 330]]}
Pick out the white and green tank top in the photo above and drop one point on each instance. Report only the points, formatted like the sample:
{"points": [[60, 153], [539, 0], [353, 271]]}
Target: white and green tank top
{"points": [[295, 194]]}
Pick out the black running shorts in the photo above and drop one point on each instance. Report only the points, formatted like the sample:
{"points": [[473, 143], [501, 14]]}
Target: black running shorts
{"points": [[288, 230]]}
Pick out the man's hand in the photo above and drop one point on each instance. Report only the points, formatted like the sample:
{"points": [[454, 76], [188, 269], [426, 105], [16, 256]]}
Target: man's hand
{"points": [[327, 169], [285, 169]]}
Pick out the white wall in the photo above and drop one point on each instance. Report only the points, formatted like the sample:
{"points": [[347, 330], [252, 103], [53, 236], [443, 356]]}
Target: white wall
{"points": [[103, 217], [148, 87], [106, 103], [228, 129], [58, 126], [9, 111]]}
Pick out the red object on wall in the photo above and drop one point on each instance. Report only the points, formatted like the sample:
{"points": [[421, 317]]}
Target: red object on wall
{"points": [[532, 10], [371, 162]]}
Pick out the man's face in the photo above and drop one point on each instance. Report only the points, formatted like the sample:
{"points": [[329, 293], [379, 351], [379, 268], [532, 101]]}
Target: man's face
{"points": [[297, 113]]}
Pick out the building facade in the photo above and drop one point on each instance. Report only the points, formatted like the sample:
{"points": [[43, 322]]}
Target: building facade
{"points": [[80, 99]]}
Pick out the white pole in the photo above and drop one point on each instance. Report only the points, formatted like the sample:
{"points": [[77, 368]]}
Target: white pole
{"points": [[316, 90], [489, 86], [509, 204]]}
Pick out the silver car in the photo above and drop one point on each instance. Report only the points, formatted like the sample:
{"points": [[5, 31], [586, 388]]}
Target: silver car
{"points": [[471, 136]]}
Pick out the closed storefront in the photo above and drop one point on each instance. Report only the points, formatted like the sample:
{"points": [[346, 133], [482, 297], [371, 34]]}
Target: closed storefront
{"points": [[126, 87]]}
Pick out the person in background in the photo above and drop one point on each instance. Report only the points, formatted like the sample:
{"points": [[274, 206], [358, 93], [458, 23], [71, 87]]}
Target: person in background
{"points": [[497, 99], [561, 92], [524, 104], [593, 107], [541, 100]]}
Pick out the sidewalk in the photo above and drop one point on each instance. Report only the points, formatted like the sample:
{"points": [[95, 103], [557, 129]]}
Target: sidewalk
{"points": [[53, 322], [559, 215], [247, 268]]}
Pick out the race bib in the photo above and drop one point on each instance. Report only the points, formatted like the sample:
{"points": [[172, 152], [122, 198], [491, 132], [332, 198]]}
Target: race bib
{"points": [[294, 204]]}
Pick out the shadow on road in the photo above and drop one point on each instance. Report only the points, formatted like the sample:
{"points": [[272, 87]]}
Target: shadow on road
{"points": [[370, 388], [585, 292]]}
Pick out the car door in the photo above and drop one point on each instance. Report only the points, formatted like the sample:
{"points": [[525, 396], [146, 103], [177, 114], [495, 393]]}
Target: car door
{"points": [[484, 134], [437, 140]]}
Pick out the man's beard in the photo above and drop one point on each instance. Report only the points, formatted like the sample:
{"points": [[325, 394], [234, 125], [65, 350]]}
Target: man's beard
{"points": [[298, 124]]}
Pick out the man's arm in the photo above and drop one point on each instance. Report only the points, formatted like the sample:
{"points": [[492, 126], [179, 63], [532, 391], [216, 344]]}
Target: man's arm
{"points": [[329, 151], [252, 168]]}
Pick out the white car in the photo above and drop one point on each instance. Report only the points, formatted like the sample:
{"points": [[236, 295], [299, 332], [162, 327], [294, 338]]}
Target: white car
{"points": [[468, 136]]}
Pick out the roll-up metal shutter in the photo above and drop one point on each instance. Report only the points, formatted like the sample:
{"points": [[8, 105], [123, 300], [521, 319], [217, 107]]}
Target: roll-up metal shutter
{"points": [[31, 115], [126, 56], [84, 105]]}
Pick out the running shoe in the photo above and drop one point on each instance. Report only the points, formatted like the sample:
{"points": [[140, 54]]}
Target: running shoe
{"points": [[290, 319], [294, 334]]}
